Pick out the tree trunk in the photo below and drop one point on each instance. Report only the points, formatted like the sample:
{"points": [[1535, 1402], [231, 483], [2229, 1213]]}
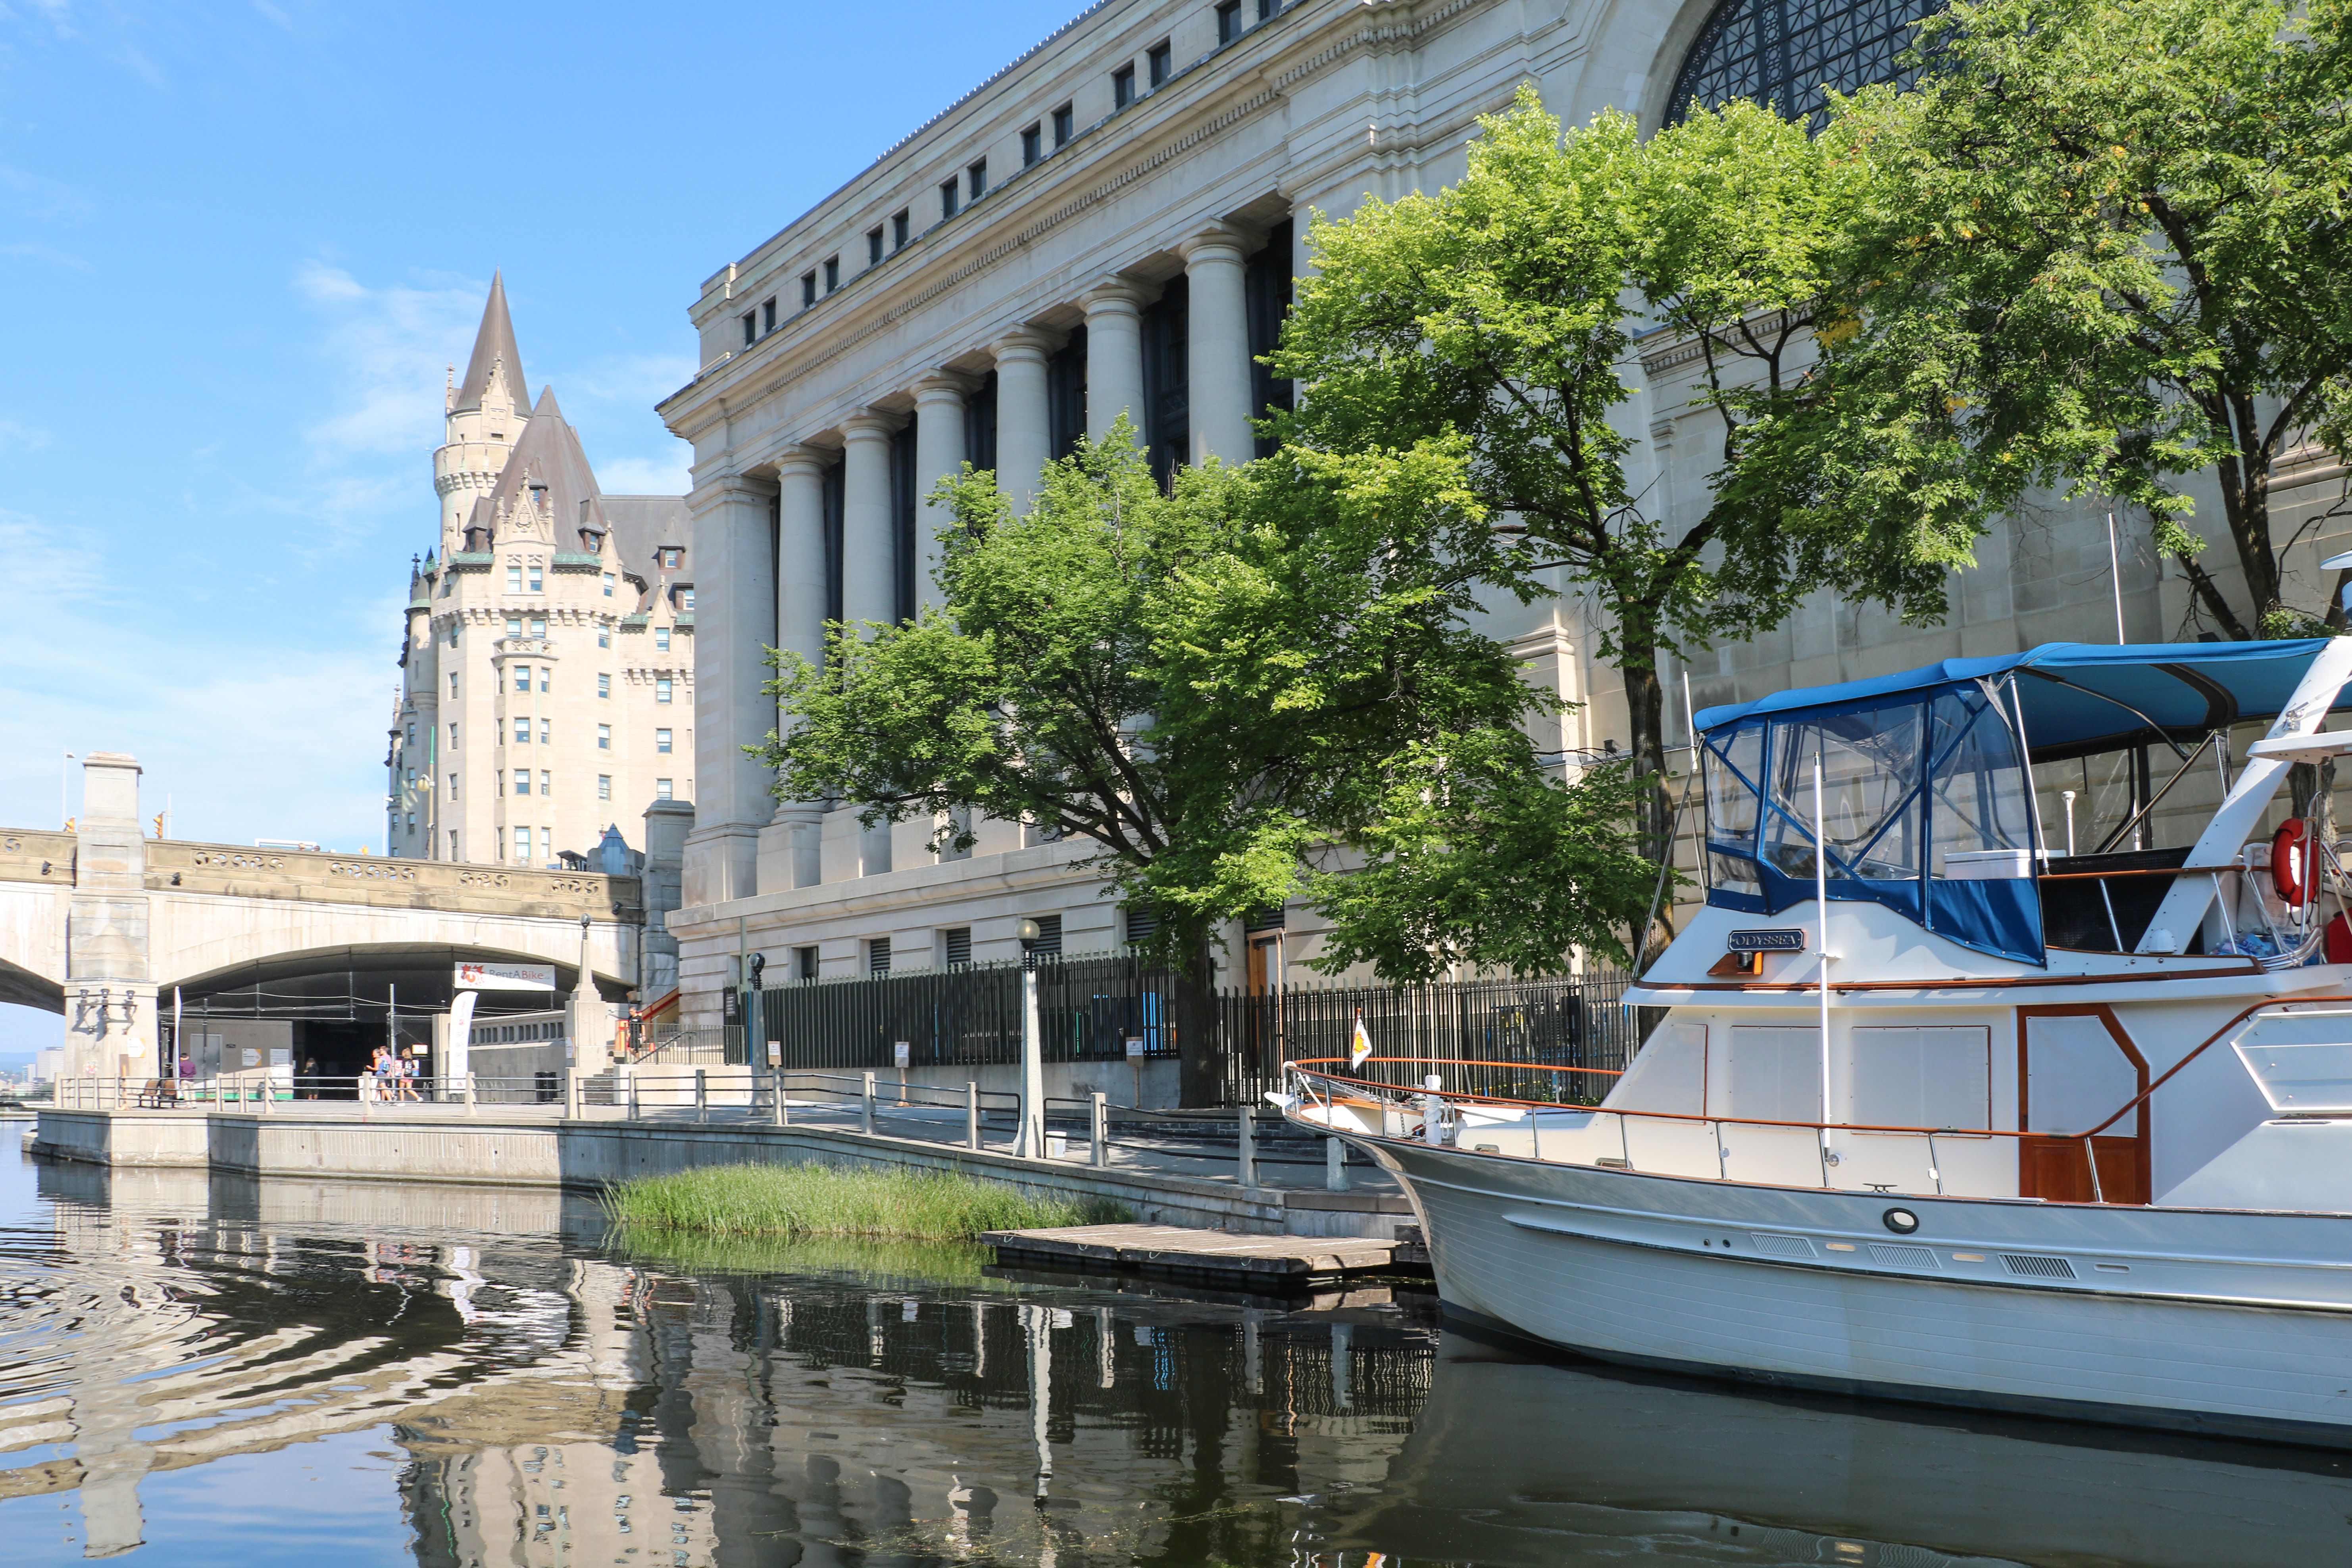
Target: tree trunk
{"points": [[1653, 814], [1204, 1053]]}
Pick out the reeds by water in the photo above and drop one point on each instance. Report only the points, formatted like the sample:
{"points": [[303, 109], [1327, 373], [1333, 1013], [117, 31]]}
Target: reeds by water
{"points": [[755, 1200]]}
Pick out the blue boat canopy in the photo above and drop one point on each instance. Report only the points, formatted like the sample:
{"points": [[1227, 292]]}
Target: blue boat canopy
{"points": [[1925, 793], [2079, 698]]}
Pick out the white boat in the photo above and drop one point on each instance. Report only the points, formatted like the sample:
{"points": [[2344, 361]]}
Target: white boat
{"points": [[1948, 1114]]}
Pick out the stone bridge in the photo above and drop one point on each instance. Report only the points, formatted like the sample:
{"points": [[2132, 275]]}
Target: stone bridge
{"points": [[103, 924]]}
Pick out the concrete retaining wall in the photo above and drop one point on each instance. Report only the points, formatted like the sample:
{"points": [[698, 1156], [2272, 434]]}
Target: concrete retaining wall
{"points": [[590, 1155]]}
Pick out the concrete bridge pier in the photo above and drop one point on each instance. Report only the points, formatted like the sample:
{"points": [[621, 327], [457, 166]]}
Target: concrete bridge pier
{"points": [[109, 992]]}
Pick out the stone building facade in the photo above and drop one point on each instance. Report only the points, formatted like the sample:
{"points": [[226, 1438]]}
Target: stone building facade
{"points": [[1109, 226], [546, 678]]}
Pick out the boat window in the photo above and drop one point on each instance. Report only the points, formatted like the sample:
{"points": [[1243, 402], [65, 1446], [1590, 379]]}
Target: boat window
{"points": [[1734, 773], [1922, 1077], [1978, 790], [1870, 794]]}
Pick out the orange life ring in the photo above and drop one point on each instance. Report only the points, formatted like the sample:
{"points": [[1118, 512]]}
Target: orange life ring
{"points": [[2290, 847]]}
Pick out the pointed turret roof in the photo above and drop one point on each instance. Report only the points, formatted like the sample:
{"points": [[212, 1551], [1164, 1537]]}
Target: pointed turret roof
{"points": [[549, 457], [493, 344]]}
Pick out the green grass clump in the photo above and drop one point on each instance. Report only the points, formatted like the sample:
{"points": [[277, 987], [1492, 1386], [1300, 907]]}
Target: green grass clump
{"points": [[749, 1200]]}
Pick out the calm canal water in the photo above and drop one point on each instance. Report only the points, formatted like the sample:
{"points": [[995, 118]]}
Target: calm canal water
{"points": [[336, 1373]]}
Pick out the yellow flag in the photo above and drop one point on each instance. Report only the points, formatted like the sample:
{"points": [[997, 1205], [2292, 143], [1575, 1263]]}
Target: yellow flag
{"points": [[1363, 1044]]}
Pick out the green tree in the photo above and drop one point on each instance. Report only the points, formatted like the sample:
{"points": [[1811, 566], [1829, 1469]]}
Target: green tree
{"points": [[1501, 312], [1237, 692], [2107, 254]]}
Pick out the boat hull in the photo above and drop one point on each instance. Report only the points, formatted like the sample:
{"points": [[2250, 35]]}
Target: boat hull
{"points": [[2199, 1320]]}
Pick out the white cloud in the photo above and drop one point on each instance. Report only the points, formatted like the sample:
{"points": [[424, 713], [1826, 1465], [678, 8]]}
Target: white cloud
{"points": [[392, 348], [665, 476]]}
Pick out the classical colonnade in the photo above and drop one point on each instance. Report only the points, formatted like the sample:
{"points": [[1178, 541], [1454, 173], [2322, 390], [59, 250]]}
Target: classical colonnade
{"points": [[735, 570]]}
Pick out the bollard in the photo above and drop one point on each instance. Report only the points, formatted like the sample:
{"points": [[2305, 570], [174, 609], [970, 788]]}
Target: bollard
{"points": [[971, 1115], [472, 1099], [573, 1092], [1249, 1145], [1335, 1166], [783, 1117], [1433, 1110], [701, 1095], [1099, 1133], [865, 1107], [269, 1095], [629, 1077]]}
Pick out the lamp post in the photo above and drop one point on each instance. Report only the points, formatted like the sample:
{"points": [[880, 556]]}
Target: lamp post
{"points": [[755, 1028], [1031, 1142]]}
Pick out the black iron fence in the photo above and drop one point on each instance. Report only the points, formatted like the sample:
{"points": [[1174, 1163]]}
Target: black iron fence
{"points": [[1233, 1043]]}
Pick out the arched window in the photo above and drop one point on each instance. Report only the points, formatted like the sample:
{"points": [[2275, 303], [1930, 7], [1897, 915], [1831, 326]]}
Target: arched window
{"points": [[1781, 51]]}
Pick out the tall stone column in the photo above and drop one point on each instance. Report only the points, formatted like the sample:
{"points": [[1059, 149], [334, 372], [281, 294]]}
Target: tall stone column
{"points": [[1114, 357], [788, 846], [1023, 420], [869, 579], [735, 591], [938, 455], [1217, 361], [110, 993]]}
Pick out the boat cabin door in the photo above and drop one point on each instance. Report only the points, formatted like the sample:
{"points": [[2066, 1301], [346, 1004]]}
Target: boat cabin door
{"points": [[2075, 1066]]}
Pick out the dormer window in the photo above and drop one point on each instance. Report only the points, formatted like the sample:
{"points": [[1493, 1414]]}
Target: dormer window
{"points": [[672, 557], [661, 638]]}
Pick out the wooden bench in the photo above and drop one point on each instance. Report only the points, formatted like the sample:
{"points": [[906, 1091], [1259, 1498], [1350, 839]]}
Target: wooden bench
{"points": [[159, 1094]]}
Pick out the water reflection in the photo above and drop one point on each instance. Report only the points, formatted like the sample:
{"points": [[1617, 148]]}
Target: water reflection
{"points": [[297, 1372]]}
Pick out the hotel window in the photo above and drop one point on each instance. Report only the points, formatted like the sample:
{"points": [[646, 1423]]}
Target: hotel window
{"points": [[878, 955], [603, 685], [546, 781], [950, 190], [546, 727], [959, 946], [604, 786], [661, 789], [899, 223], [1033, 145], [522, 781], [522, 732], [673, 557], [767, 316], [538, 625], [536, 587], [453, 633], [977, 175], [604, 636], [514, 577], [874, 246], [546, 675], [686, 601], [661, 741], [808, 290], [661, 688], [453, 843], [751, 328], [453, 786], [1066, 124], [522, 678], [1229, 21], [522, 843], [603, 738], [514, 625], [452, 737], [453, 685], [1162, 59], [1122, 87], [661, 639], [608, 585], [547, 843], [831, 273]]}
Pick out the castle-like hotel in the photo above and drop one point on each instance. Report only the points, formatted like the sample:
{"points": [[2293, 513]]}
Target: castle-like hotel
{"points": [[547, 690]]}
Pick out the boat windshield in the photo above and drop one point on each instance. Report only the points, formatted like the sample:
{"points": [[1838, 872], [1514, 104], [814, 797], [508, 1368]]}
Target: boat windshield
{"points": [[1923, 808]]}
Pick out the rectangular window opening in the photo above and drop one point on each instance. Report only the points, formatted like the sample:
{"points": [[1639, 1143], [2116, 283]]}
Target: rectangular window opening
{"points": [[1033, 144], [878, 955], [1161, 58], [661, 789], [1066, 124], [900, 221], [1229, 21], [831, 273], [977, 175], [604, 786], [767, 317], [804, 963], [1122, 87], [949, 193], [873, 247], [808, 290], [959, 945]]}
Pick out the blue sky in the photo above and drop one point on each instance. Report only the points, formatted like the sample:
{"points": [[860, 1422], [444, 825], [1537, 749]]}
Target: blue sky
{"points": [[239, 243]]}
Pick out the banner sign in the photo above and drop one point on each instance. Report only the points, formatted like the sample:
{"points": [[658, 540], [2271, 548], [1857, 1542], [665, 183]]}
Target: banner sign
{"points": [[506, 978]]}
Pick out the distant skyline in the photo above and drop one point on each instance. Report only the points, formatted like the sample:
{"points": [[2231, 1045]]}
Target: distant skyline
{"points": [[240, 242]]}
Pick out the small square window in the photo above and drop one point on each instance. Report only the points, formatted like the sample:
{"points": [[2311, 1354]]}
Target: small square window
{"points": [[673, 555], [522, 732], [831, 273], [951, 198], [522, 678], [1122, 87], [603, 738], [522, 781], [661, 741], [1033, 145], [514, 625], [604, 786], [808, 290], [604, 636], [608, 585], [661, 688], [1162, 61], [899, 222], [1066, 124], [685, 601], [538, 625], [522, 843], [1229, 21], [603, 685], [661, 789], [536, 586], [661, 639], [873, 247], [751, 328]]}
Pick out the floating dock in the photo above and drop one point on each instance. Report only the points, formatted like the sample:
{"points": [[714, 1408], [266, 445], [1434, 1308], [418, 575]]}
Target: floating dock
{"points": [[1260, 1262]]}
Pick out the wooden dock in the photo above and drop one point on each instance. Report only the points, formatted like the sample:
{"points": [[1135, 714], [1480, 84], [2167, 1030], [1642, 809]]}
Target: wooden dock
{"points": [[1259, 1262]]}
